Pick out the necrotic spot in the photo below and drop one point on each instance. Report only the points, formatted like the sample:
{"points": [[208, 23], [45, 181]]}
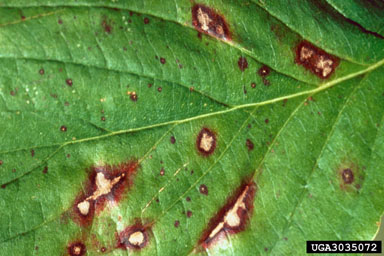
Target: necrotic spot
{"points": [[133, 237], [77, 249], [242, 63], [206, 142], [347, 176], [208, 21], [316, 60]]}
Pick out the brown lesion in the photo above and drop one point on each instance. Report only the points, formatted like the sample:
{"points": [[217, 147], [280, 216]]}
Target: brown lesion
{"points": [[206, 141], [134, 237], [209, 21], [350, 176], [232, 218], [316, 60], [105, 183]]}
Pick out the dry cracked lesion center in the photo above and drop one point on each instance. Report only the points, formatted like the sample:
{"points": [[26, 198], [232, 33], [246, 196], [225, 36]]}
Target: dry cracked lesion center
{"points": [[316, 60], [103, 187], [206, 141], [204, 19], [137, 238]]}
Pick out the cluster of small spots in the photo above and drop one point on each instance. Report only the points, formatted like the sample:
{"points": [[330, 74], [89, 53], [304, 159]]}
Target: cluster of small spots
{"points": [[69, 82], [242, 63], [106, 26], [77, 249], [146, 20], [162, 60], [203, 189], [208, 21], [249, 144], [316, 60], [133, 96], [206, 142], [173, 140], [133, 237], [63, 128], [41, 71]]}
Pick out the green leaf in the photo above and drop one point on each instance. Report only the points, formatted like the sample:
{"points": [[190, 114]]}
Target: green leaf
{"points": [[169, 133]]}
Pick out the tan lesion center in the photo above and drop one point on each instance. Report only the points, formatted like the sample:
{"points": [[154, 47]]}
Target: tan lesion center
{"points": [[104, 186], [206, 142], [136, 238], [204, 19]]}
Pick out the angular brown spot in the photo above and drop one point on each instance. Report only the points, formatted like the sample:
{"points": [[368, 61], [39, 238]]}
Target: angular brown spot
{"points": [[162, 172], [45, 170], [105, 183], [208, 21], [77, 249], [162, 60], [41, 71], [176, 224], [134, 237], [63, 128], [347, 176], [189, 214], [173, 140], [69, 82], [249, 145], [203, 189], [253, 85], [206, 142], [316, 60], [264, 71], [242, 63], [232, 217], [146, 20]]}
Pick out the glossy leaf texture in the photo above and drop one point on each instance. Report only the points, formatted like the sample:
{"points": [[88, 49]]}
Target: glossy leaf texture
{"points": [[189, 128]]}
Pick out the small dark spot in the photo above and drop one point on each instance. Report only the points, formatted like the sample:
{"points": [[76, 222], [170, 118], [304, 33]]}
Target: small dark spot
{"points": [[188, 199], [199, 35], [32, 153], [266, 121], [103, 118], [63, 128], [68, 155], [191, 89], [173, 140], [3, 186], [347, 176], [125, 49], [77, 249], [162, 172], [159, 89], [191, 172], [253, 85], [41, 71], [189, 214], [23, 17], [36, 248], [208, 21], [1, 162], [285, 238], [264, 71], [13, 93], [146, 20], [249, 145], [69, 82], [106, 26], [66, 103], [133, 96], [285, 102], [103, 249], [206, 142], [177, 224], [149, 85], [203, 189], [45, 170], [157, 200], [60, 21], [162, 60], [242, 63], [266, 82], [244, 90], [266, 249]]}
